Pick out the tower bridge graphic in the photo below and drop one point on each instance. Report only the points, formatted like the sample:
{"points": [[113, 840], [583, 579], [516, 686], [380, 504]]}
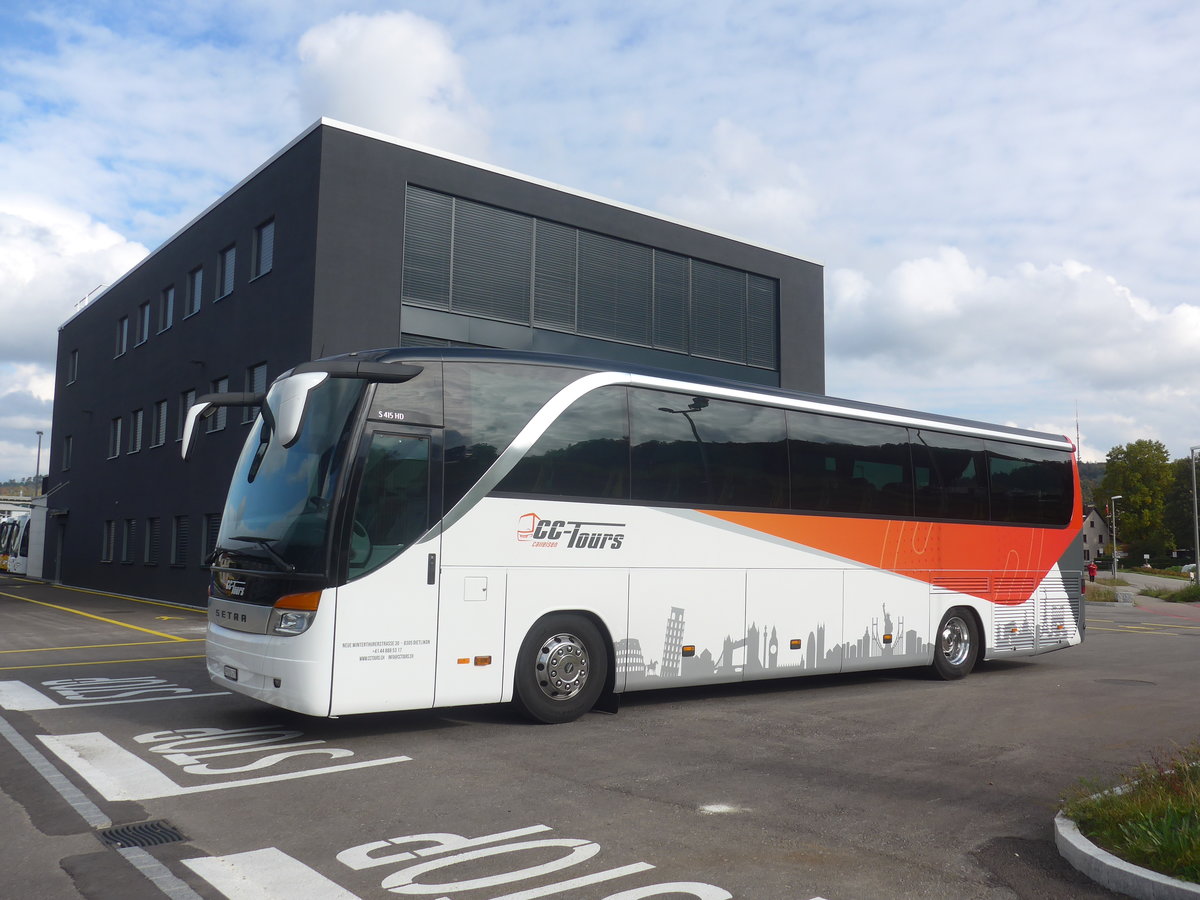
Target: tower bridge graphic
{"points": [[758, 651]]}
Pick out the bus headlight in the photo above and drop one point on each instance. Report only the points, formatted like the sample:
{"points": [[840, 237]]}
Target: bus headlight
{"points": [[292, 622], [294, 613]]}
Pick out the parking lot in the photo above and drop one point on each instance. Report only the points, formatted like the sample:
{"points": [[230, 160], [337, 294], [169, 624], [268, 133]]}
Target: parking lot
{"points": [[126, 773]]}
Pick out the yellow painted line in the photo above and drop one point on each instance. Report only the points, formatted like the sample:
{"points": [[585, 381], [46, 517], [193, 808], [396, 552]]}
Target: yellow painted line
{"points": [[96, 662], [102, 646], [77, 612], [79, 590]]}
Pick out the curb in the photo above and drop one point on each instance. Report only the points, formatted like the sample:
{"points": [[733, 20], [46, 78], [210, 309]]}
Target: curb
{"points": [[1114, 873]]}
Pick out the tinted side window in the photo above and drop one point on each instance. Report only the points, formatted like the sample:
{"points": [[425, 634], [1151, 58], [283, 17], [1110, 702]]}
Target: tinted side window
{"points": [[487, 404], [393, 501], [841, 465], [1031, 485], [585, 453], [417, 401], [699, 451], [951, 476]]}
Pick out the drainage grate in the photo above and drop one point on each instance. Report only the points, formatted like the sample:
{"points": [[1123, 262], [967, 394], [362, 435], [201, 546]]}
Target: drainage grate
{"points": [[141, 834]]}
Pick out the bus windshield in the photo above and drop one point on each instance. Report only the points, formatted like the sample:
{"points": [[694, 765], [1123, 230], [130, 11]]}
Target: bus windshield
{"points": [[280, 502]]}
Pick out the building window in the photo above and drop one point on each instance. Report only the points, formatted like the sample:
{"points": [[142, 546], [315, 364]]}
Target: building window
{"points": [[468, 257], [122, 337], [73, 367], [143, 323], [109, 541], [151, 545], [195, 289], [216, 422], [226, 263], [264, 248], [67, 447], [212, 528], [179, 541], [186, 399], [158, 426], [256, 383], [128, 536], [114, 437], [135, 430], [166, 308]]}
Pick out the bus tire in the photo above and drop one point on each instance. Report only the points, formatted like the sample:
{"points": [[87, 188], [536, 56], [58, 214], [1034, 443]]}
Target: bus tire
{"points": [[956, 645], [561, 669]]}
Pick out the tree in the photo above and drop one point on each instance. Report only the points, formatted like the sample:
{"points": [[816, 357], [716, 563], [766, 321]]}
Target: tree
{"points": [[1179, 520], [1141, 474]]}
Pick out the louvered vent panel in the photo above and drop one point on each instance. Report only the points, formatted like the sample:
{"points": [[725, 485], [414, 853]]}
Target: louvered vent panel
{"points": [[976, 585], [554, 276], [670, 301], [427, 218], [615, 287], [718, 312], [493, 254], [1015, 587], [1014, 627], [762, 321]]}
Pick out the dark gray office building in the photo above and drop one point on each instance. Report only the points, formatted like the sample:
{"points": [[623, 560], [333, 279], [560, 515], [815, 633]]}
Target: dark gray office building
{"points": [[349, 240]]}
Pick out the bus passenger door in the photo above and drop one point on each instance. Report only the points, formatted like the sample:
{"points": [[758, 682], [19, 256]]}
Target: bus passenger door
{"points": [[386, 633]]}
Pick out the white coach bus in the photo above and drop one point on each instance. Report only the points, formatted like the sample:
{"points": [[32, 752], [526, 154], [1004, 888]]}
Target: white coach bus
{"points": [[412, 528], [14, 543]]}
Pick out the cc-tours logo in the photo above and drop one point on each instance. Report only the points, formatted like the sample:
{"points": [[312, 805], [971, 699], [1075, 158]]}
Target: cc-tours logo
{"points": [[538, 532]]}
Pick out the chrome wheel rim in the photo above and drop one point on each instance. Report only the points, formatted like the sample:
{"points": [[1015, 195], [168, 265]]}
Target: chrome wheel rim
{"points": [[955, 641], [562, 667]]}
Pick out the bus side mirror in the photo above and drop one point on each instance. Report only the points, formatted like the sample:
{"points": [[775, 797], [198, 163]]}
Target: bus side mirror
{"points": [[207, 405], [200, 408], [288, 402]]}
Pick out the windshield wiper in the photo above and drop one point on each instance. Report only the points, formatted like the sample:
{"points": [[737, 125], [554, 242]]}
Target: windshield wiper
{"points": [[266, 543]]}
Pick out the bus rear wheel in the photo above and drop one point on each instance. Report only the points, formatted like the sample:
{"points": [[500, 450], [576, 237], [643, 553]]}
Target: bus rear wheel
{"points": [[561, 669], [956, 645]]}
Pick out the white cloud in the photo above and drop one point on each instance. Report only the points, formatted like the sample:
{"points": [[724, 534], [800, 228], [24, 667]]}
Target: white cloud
{"points": [[946, 335], [51, 257], [1005, 200], [736, 183], [396, 73]]}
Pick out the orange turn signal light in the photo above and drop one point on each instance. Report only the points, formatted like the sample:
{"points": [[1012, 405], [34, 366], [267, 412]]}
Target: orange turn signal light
{"points": [[483, 660], [689, 649], [309, 600]]}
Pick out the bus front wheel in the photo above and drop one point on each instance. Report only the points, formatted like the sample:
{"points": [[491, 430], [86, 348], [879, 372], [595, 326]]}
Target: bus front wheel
{"points": [[956, 645], [561, 669]]}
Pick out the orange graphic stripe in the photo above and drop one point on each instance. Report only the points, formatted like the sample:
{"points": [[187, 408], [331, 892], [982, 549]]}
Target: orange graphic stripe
{"points": [[1001, 563]]}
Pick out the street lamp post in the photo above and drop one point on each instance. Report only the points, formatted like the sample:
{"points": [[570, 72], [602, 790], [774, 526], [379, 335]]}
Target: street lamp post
{"points": [[1195, 519], [1113, 501]]}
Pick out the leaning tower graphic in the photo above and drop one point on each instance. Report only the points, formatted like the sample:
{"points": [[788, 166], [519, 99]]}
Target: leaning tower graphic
{"points": [[671, 644]]}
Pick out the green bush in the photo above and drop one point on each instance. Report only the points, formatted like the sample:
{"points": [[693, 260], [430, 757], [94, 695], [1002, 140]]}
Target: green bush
{"points": [[1152, 819], [1189, 594]]}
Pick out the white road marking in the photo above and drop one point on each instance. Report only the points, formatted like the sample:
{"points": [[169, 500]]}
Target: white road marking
{"points": [[20, 696], [120, 775], [268, 874]]}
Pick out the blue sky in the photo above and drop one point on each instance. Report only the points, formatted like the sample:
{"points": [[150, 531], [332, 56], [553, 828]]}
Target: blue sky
{"points": [[1005, 196]]}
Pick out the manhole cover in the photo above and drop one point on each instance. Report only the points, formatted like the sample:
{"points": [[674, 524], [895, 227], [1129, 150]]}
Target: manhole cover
{"points": [[1124, 681], [141, 834]]}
